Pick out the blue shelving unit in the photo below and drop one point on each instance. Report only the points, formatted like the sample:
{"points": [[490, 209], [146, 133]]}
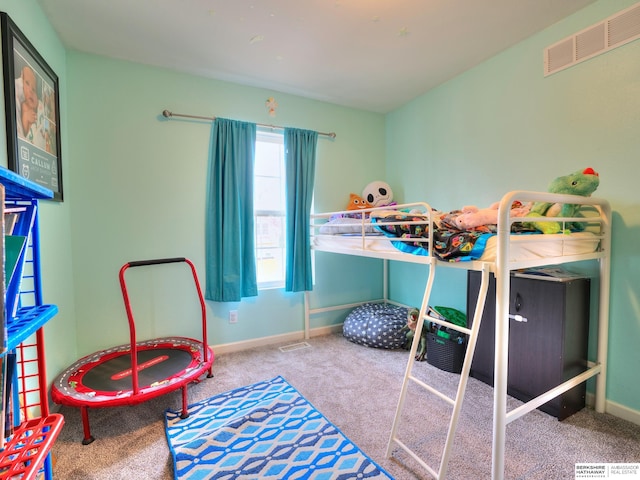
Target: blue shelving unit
{"points": [[26, 451]]}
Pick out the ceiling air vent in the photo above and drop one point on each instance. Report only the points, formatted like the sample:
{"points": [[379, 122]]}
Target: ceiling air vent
{"points": [[624, 27], [559, 55], [590, 42], [618, 29]]}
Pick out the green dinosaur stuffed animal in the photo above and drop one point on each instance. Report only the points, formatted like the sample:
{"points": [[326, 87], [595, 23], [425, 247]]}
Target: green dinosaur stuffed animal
{"points": [[583, 183]]}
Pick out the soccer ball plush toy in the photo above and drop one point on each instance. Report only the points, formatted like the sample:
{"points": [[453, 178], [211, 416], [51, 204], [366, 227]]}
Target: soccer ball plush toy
{"points": [[378, 194]]}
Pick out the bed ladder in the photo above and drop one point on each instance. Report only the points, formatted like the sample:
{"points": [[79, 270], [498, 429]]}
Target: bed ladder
{"points": [[456, 402]]}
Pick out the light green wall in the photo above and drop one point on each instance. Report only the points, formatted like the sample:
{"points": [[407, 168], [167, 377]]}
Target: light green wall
{"points": [[55, 218], [503, 126], [139, 193], [134, 182]]}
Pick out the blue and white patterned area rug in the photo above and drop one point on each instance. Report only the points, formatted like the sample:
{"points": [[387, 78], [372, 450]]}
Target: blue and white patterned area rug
{"points": [[267, 430]]}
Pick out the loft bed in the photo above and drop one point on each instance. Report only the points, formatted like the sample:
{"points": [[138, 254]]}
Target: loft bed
{"points": [[417, 233]]}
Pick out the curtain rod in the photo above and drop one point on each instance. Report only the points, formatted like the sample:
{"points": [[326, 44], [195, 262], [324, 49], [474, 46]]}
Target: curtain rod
{"points": [[168, 114]]}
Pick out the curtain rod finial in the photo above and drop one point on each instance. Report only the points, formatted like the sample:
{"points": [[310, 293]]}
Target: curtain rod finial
{"points": [[166, 113]]}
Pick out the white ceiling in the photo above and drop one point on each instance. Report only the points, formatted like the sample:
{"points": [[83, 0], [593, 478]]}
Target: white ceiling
{"points": [[370, 54]]}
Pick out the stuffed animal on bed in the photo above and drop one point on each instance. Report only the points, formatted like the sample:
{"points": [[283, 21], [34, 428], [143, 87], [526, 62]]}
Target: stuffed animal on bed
{"points": [[583, 183], [356, 202], [378, 194], [410, 330], [472, 216]]}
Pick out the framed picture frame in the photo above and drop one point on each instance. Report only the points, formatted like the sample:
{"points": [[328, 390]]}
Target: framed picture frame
{"points": [[32, 111]]}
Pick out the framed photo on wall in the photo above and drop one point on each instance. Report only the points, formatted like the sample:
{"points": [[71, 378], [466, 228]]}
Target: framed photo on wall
{"points": [[32, 111]]}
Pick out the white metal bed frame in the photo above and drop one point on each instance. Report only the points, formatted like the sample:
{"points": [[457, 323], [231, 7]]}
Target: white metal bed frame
{"points": [[598, 220]]}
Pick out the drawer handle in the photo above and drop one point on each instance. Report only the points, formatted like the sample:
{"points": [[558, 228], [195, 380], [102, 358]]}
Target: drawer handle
{"points": [[518, 318], [518, 302]]}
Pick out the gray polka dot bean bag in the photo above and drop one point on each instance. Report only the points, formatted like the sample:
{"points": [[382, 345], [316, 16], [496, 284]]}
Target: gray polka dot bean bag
{"points": [[376, 325]]}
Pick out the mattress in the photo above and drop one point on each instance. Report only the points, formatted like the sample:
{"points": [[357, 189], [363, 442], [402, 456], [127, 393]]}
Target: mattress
{"points": [[522, 247]]}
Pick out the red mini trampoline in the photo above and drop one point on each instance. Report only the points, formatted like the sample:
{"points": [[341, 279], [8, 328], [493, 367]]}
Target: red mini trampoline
{"points": [[116, 377]]}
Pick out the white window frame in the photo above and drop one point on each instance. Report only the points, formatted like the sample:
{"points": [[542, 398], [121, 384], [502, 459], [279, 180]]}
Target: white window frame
{"points": [[278, 138]]}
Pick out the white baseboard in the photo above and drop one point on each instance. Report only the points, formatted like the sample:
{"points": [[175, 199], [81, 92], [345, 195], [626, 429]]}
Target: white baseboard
{"points": [[284, 338], [616, 409], [623, 412]]}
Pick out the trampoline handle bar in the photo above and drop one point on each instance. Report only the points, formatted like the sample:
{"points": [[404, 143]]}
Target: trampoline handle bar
{"points": [[141, 263], [132, 325]]}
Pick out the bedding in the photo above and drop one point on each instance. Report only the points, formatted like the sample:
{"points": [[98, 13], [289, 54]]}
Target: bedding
{"points": [[449, 242], [407, 231], [523, 247]]}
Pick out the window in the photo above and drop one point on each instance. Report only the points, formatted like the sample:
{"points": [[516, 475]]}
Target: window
{"points": [[269, 210]]}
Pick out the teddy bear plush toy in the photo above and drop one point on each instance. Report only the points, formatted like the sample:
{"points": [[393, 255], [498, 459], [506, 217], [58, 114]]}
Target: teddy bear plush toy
{"points": [[472, 216], [583, 183]]}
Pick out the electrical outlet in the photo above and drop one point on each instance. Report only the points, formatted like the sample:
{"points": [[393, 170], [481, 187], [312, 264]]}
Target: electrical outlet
{"points": [[233, 316]]}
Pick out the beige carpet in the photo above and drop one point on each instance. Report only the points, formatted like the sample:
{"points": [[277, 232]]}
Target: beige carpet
{"points": [[357, 389]]}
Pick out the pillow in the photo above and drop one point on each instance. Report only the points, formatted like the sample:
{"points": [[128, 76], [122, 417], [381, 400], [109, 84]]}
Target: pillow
{"points": [[345, 225], [377, 325]]}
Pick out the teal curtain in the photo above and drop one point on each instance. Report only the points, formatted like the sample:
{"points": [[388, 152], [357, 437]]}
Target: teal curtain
{"points": [[300, 164], [229, 235]]}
